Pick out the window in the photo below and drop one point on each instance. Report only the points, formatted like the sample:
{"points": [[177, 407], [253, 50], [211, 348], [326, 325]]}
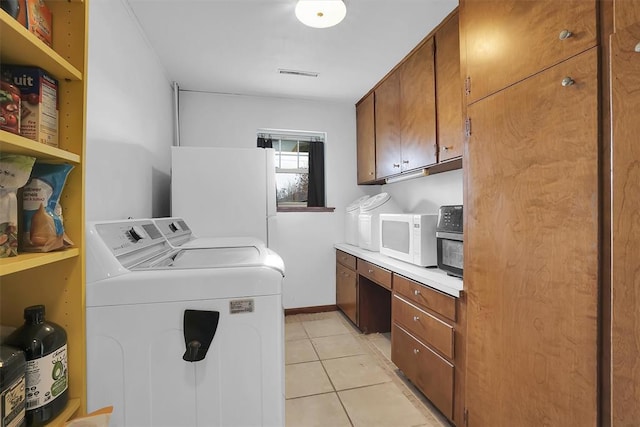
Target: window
{"points": [[299, 161]]}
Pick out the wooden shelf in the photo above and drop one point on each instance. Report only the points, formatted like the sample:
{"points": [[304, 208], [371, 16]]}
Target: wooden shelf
{"points": [[18, 43], [16, 144], [26, 261], [72, 407]]}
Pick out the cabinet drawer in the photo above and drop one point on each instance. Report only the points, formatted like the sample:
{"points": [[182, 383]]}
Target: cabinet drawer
{"points": [[346, 259], [432, 374], [424, 326], [442, 304], [377, 274]]}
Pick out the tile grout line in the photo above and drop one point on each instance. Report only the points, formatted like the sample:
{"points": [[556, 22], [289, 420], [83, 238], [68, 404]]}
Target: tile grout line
{"points": [[388, 366], [335, 391]]}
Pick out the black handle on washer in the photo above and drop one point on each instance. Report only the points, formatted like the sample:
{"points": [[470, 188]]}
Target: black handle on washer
{"points": [[200, 327]]}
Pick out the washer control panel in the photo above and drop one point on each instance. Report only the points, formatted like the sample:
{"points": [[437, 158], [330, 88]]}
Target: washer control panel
{"points": [[132, 241]]}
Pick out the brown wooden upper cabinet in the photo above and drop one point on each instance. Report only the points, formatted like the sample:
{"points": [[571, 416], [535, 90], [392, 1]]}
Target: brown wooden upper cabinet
{"points": [[366, 140], [507, 41], [405, 115], [387, 126], [449, 92]]}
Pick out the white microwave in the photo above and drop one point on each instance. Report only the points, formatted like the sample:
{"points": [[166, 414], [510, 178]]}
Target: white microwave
{"points": [[410, 238]]}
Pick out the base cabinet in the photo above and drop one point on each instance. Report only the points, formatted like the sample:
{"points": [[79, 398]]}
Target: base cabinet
{"points": [[426, 343], [432, 374], [347, 292], [347, 285]]}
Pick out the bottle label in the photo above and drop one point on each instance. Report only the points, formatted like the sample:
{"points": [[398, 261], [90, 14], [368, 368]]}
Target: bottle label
{"points": [[12, 402], [47, 378]]}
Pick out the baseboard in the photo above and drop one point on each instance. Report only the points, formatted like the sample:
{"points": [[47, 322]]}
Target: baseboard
{"points": [[307, 310]]}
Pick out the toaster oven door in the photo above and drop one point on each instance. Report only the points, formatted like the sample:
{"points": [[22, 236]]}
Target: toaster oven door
{"points": [[449, 252]]}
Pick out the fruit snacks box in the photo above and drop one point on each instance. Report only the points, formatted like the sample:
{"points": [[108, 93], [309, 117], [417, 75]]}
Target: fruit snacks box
{"points": [[39, 93]]}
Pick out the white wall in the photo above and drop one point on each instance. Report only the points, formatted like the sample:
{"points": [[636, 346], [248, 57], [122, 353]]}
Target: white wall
{"points": [[304, 240], [426, 194], [129, 119]]}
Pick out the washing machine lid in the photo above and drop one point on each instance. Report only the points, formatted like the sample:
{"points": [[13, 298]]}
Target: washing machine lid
{"points": [[356, 203], [223, 242], [219, 257], [375, 202]]}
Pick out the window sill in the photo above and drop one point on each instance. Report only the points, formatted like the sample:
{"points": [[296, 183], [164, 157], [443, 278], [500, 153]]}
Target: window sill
{"points": [[304, 209]]}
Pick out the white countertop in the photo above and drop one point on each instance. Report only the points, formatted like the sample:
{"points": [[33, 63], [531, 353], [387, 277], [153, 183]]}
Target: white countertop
{"points": [[432, 277]]}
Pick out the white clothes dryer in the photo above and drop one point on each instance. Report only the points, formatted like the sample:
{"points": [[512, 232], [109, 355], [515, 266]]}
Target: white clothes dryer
{"points": [[179, 234], [182, 337]]}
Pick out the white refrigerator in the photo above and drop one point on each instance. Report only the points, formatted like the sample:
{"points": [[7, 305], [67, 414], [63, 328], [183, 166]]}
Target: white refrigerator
{"points": [[224, 192]]}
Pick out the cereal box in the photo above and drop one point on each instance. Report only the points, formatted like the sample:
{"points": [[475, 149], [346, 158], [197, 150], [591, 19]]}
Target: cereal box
{"points": [[36, 17], [39, 93]]}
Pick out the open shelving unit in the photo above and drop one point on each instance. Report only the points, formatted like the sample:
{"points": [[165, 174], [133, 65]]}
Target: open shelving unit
{"points": [[55, 279]]}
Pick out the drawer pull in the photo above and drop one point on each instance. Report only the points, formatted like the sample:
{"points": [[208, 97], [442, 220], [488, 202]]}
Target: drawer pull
{"points": [[416, 351], [565, 34], [567, 81], [416, 292], [416, 318]]}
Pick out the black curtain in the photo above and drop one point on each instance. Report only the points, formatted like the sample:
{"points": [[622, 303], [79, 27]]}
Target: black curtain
{"points": [[265, 142], [316, 175]]}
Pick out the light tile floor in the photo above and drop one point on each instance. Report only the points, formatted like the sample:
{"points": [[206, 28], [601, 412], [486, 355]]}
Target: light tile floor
{"points": [[337, 376]]}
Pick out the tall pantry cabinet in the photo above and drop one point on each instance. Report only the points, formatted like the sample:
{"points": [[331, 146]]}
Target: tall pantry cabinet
{"points": [[55, 279], [532, 200], [625, 231]]}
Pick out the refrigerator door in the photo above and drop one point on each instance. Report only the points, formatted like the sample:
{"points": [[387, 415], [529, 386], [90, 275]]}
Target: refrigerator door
{"points": [[222, 192]]}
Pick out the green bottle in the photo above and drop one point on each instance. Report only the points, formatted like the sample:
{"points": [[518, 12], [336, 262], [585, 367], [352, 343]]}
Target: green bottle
{"points": [[47, 380]]}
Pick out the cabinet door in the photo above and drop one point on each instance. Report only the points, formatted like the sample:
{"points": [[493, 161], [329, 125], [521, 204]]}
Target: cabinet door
{"points": [[347, 291], [387, 117], [448, 91], [625, 84], [366, 140], [531, 251], [627, 13], [418, 109], [509, 40]]}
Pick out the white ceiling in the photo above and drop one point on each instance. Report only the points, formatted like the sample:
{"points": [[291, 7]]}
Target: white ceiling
{"points": [[237, 46]]}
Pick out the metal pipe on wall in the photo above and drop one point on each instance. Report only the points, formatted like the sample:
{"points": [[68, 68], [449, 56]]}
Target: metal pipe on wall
{"points": [[176, 113]]}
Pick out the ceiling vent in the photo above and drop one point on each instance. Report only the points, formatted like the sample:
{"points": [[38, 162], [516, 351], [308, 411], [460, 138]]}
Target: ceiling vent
{"points": [[298, 73]]}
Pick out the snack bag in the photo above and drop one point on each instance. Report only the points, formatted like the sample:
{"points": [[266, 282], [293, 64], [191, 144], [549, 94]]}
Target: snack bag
{"points": [[43, 225], [14, 173]]}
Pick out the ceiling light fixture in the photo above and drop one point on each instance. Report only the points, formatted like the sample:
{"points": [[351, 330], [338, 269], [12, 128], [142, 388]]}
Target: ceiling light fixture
{"points": [[320, 13]]}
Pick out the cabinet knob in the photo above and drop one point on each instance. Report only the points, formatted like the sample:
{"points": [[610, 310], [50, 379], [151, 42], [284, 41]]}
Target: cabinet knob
{"points": [[416, 292], [416, 351], [396, 165], [565, 34], [416, 318], [445, 148], [637, 48], [370, 173], [405, 162], [370, 271], [567, 81]]}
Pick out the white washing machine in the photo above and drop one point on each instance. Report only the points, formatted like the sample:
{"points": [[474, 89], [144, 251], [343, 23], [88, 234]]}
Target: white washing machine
{"points": [[179, 234], [369, 219], [182, 337], [351, 221]]}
